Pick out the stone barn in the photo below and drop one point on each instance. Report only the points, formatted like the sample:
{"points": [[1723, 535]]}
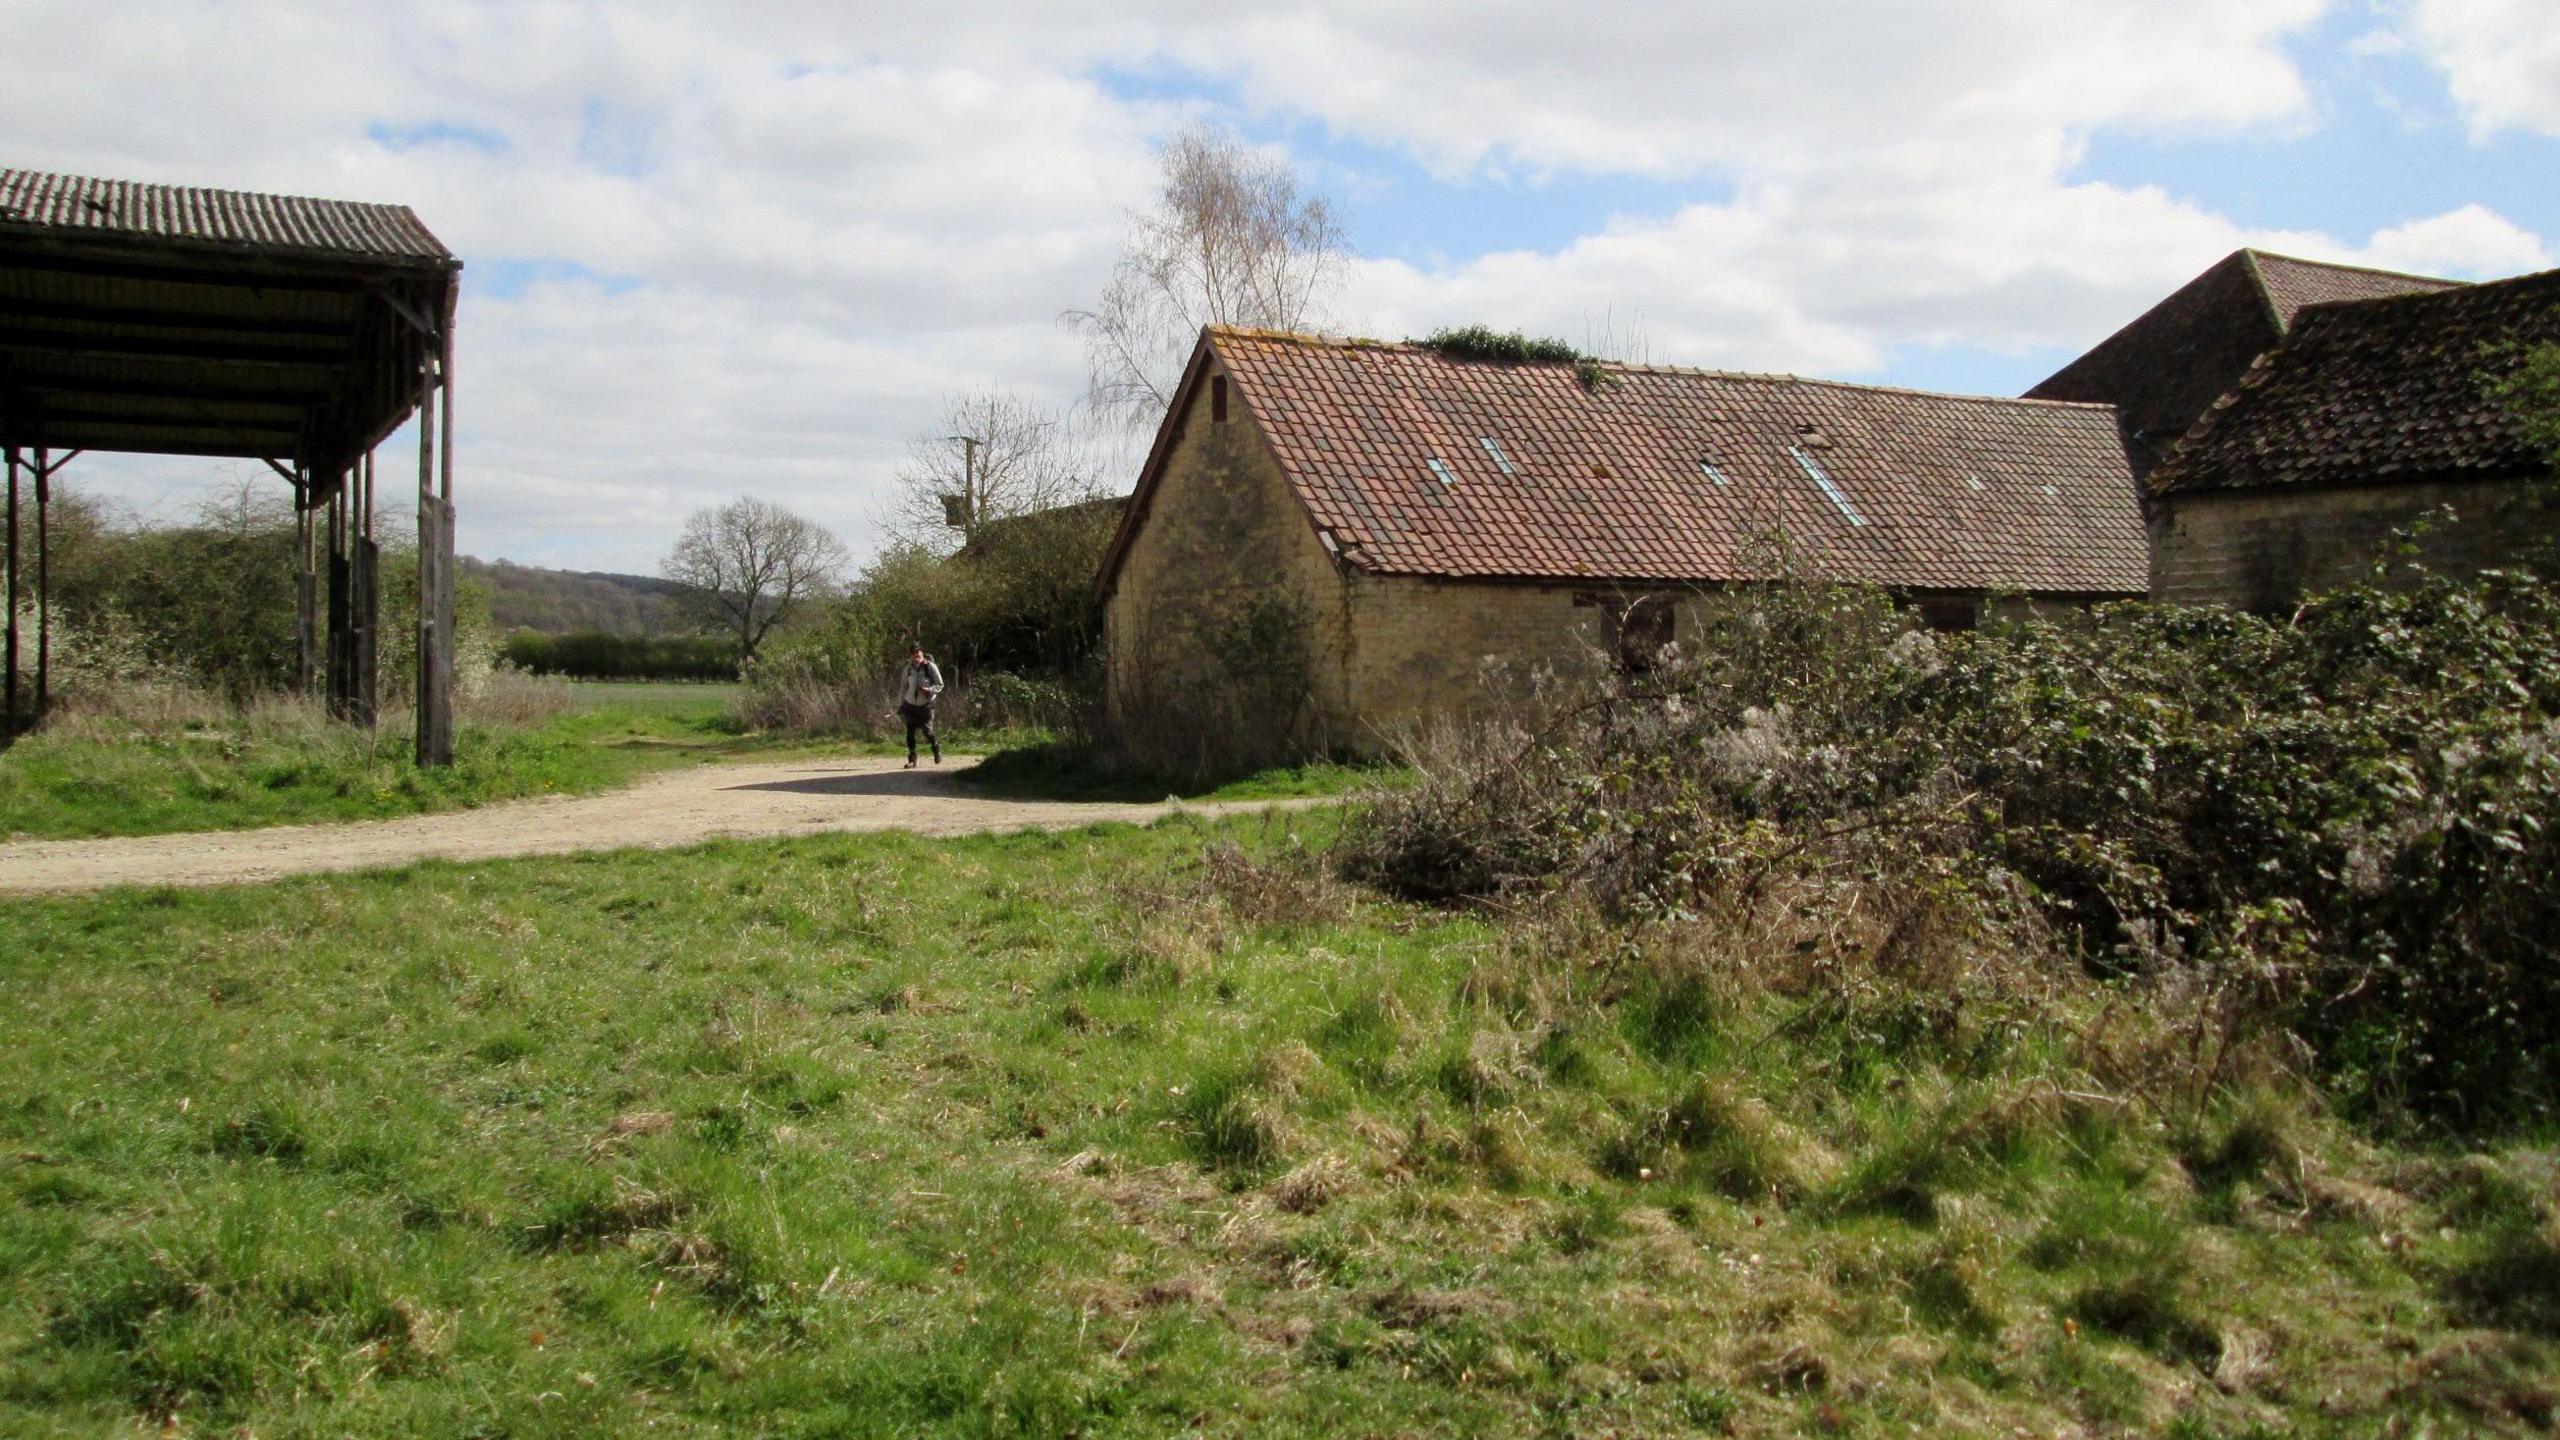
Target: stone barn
{"points": [[1334, 540], [2372, 417], [2168, 365]]}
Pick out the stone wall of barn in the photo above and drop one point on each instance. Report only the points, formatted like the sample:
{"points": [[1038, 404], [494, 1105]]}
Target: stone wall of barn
{"points": [[2264, 550], [1220, 635]]}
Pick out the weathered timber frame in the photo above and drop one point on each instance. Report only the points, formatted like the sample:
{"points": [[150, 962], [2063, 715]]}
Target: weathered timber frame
{"points": [[301, 333]]}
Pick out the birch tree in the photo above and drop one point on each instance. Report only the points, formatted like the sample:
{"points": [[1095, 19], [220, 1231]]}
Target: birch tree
{"points": [[1230, 241]]}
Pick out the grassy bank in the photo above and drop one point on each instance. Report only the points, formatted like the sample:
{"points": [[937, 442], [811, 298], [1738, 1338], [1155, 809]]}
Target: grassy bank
{"points": [[283, 762], [1162, 1131]]}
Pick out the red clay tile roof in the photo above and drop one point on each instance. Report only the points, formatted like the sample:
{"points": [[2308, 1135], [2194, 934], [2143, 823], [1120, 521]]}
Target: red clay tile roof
{"points": [[1949, 492], [2378, 392], [2171, 362]]}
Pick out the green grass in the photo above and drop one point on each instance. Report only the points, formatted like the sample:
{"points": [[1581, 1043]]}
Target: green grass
{"points": [[684, 698], [1141, 1132], [266, 769]]}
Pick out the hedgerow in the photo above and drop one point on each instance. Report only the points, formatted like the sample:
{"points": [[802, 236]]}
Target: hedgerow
{"points": [[2334, 827]]}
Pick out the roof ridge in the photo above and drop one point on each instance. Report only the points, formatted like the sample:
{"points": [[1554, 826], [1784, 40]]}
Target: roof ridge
{"points": [[2255, 255], [2462, 287], [1316, 340], [9, 173]]}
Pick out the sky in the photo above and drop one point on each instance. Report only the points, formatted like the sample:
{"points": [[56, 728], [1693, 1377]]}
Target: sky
{"points": [[735, 248]]}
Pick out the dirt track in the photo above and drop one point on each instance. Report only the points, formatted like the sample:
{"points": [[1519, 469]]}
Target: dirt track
{"points": [[798, 797]]}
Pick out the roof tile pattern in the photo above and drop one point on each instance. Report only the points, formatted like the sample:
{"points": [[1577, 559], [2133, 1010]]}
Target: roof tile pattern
{"points": [[30, 198], [2378, 392], [2171, 362], [2292, 284], [1677, 474]]}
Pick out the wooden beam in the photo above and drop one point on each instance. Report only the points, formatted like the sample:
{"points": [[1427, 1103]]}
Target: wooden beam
{"points": [[81, 345], [193, 444], [165, 318], [245, 272], [404, 310], [278, 393]]}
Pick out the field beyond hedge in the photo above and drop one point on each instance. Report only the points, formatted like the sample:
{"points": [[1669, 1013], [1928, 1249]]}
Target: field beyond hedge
{"points": [[1162, 1131]]}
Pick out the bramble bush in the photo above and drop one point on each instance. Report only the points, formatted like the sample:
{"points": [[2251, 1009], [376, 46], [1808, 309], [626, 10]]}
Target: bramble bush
{"points": [[2333, 827]]}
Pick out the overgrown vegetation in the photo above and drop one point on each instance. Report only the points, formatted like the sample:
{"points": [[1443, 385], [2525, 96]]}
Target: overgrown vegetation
{"points": [[1484, 343], [1139, 1132], [2330, 829], [602, 655]]}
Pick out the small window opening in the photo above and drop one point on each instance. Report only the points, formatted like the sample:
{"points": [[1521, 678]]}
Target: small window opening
{"points": [[1712, 471], [1443, 472], [1218, 399], [1839, 500], [1501, 461], [1976, 482]]}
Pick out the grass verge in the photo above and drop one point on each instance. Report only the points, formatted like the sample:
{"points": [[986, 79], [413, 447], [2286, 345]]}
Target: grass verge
{"points": [[283, 764], [1150, 1131]]}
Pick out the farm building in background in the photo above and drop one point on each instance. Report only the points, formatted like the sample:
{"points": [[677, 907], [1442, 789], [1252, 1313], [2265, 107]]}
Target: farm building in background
{"points": [[2168, 365], [1332, 541], [2372, 417]]}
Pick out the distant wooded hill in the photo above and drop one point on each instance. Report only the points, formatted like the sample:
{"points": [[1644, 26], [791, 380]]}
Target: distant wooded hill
{"points": [[565, 602]]}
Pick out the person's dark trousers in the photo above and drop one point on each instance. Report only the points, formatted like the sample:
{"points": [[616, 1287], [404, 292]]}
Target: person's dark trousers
{"points": [[919, 720]]}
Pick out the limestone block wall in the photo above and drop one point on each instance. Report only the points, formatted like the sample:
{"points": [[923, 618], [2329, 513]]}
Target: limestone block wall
{"points": [[2265, 549], [1424, 650], [1222, 552]]}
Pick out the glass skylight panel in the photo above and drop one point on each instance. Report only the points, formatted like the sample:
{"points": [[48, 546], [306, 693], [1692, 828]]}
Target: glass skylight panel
{"points": [[1443, 472], [1710, 469], [1823, 479], [1501, 461]]}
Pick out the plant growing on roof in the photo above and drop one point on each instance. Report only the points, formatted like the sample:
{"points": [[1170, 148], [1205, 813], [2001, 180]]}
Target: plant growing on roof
{"points": [[1483, 342]]}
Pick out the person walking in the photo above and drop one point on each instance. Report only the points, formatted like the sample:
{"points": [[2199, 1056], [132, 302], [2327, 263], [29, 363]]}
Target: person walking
{"points": [[918, 687]]}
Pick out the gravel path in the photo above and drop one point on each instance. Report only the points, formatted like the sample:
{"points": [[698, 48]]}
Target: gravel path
{"points": [[797, 797]]}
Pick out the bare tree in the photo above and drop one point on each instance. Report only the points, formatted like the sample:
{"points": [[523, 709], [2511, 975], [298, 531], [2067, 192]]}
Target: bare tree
{"points": [[748, 564], [996, 455], [1230, 242]]}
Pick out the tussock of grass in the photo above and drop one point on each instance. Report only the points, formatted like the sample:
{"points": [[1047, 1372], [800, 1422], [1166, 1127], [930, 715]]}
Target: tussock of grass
{"points": [[1138, 1131]]}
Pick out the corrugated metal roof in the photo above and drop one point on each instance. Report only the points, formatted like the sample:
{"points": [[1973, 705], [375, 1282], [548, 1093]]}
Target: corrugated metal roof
{"points": [[189, 214], [1933, 491]]}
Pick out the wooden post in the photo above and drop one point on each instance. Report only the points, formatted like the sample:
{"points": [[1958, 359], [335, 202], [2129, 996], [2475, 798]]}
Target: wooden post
{"points": [[44, 584], [368, 604], [448, 626], [9, 717], [306, 586], [435, 641]]}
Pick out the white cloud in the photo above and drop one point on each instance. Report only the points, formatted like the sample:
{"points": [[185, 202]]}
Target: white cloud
{"points": [[816, 222], [2471, 243], [2500, 58]]}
